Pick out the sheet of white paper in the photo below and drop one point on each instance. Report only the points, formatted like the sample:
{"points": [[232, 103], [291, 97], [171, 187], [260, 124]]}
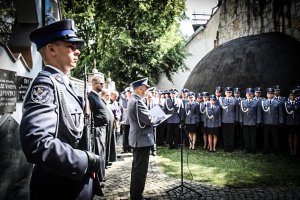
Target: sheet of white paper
{"points": [[158, 115], [156, 111]]}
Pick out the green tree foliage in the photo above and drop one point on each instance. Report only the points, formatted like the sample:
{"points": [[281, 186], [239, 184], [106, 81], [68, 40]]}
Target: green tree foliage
{"points": [[130, 39], [7, 18]]}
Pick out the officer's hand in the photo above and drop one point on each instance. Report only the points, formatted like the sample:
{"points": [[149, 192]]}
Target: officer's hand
{"points": [[93, 164]]}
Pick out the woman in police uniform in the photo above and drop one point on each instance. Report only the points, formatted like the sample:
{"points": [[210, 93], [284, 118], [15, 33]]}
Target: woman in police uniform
{"points": [[191, 118]]}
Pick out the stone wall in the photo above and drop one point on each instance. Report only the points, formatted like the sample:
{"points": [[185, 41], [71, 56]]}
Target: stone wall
{"points": [[240, 18]]}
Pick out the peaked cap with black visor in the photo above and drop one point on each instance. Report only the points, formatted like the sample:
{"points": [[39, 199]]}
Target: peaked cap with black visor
{"points": [[63, 30]]}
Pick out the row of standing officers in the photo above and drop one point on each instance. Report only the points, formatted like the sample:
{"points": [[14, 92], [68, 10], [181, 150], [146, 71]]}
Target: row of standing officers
{"points": [[249, 122]]}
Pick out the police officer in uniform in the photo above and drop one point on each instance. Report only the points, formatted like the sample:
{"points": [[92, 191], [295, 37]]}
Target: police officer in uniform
{"points": [[272, 119], [230, 110], [191, 119], [140, 138], [260, 131], [202, 108], [277, 96], [250, 118], [218, 94], [52, 122], [212, 122], [162, 127], [292, 121], [124, 122], [173, 106], [257, 93], [283, 137], [238, 131], [184, 95]]}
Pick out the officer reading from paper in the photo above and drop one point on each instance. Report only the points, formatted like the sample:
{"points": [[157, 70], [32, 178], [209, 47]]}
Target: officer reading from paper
{"points": [[140, 138], [52, 122]]}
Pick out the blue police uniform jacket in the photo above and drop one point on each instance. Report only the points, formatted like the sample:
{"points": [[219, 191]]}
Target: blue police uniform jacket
{"points": [[48, 141], [174, 109], [202, 107], [281, 99], [272, 112], [191, 113], [250, 112], [230, 109], [292, 112], [141, 128], [239, 99], [212, 116]]}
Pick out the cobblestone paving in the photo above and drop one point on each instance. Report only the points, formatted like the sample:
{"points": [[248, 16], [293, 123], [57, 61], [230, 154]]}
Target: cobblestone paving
{"points": [[157, 185]]}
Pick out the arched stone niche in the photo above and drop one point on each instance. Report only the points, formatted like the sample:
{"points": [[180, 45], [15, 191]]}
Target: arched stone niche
{"points": [[260, 60]]}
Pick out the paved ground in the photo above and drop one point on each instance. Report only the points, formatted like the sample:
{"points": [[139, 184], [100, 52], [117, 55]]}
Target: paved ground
{"points": [[157, 185]]}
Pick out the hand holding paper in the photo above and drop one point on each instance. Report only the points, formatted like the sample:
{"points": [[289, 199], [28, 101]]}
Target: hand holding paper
{"points": [[157, 115]]}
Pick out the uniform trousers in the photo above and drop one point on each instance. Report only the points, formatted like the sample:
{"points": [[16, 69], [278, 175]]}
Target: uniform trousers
{"points": [[273, 131], [126, 146], [173, 134], [249, 133], [228, 136], [238, 136], [161, 136], [139, 172]]}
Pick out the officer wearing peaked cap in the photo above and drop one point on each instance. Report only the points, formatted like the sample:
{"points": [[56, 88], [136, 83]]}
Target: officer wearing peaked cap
{"points": [[140, 137], [260, 133], [257, 94], [191, 117], [184, 95], [292, 121], [161, 136], [272, 119], [212, 122], [52, 121], [218, 93], [277, 96], [202, 107], [173, 106], [238, 135], [124, 120], [230, 107], [250, 118]]}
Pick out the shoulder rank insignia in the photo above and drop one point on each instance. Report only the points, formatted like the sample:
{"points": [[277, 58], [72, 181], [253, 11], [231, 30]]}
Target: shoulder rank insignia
{"points": [[59, 78], [40, 93]]}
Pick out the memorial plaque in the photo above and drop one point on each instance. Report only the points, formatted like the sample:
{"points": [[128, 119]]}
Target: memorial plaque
{"points": [[8, 91], [23, 84]]}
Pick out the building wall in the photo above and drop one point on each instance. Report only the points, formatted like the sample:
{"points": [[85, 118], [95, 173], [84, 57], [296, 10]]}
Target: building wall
{"points": [[234, 19], [250, 17], [198, 45]]}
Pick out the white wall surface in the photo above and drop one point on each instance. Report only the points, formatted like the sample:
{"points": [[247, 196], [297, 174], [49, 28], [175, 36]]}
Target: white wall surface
{"points": [[199, 44]]}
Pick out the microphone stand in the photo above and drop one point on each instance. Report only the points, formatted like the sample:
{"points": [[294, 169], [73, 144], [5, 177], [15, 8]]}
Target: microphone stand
{"points": [[182, 189]]}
